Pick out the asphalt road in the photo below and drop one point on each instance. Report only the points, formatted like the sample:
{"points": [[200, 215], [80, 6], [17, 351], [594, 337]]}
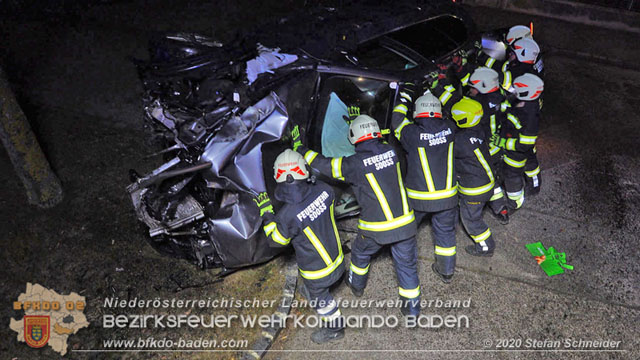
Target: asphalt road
{"points": [[83, 97]]}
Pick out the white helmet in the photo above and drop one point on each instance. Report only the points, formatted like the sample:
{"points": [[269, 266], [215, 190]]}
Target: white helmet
{"points": [[528, 87], [364, 127], [526, 50], [518, 32], [484, 80], [427, 105], [290, 163]]}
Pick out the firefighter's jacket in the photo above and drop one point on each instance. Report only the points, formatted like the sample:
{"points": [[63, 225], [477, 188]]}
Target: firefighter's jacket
{"points": [[374, 173], [473, 166], [514, 68], [307, 222], [520, 131], [430, 180], [494, 106]]}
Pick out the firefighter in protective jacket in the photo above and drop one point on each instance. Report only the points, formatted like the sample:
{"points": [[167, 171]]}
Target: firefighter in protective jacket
{"points": [[519, 134], [386, 217], [430, 180], [307, 222], [474, 174]]}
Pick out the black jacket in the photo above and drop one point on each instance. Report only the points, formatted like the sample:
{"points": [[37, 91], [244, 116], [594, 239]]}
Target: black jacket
{"points": [[494, 105], [374, 173], [513, 69], [521, 126], [430, 180], [306, 221], [473, 166]]}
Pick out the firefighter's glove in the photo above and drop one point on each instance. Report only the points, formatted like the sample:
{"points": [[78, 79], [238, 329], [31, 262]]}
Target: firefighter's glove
{"points": [[296, 141], [499, 142], [353, 112], [264, 203], [433, 78]]}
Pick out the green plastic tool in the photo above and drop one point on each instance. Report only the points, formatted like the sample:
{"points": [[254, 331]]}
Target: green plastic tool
{"points": [[551, 261]]}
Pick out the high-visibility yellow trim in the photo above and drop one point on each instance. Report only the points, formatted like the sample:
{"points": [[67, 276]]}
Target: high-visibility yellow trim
{"points": [[489, 63], [533, 172], [384, 204], [492, 124], [493, 149], [329, 308], [335, 228], [398, 222], [511, 144], [425, 169], [465, 79], [319, 274], [336, 168], [444, 97], [518, 197], [403, 192], [401, 108], [450, 166], [359, 270], [310, 155], [476, 190], [272, 230], [513, 163], [442, 251], [482, 237], [506, 81], [318, 245], [504, 105], [497, 194], [529, 140], [514, 120], [432, 195], [409, 293], [398, 131]]}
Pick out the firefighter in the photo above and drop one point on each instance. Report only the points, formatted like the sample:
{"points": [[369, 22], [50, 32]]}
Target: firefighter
{"points": [[516, 33], [307, 222], [386, 217], [431, 185], [485, 89], [518, 135], [474, 174]]}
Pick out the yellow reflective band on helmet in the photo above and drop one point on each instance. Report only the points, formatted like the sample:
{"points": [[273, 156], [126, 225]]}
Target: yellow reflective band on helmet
{"points": [[511, 144], [533, 172], [310, 156], [492, 123], [336, 168], [493, 149], [398, 131], [514, 120], [359, 270], [318, 245], [518, 164], [450, 166], [319, 274], [403, 192], [387, 225], [409, 293], [425, 169], [529, 140], [277, 237], [332, 317], [380, 195], [442, 251], [482, 237], [489, 63], [401, 108], [465, 79]]}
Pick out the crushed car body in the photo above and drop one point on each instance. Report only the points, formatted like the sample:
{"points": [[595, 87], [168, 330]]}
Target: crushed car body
{"points": [[221, 113]]}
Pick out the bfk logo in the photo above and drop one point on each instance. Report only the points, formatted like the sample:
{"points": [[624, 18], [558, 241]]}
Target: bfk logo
{"points": [[36, 330]]}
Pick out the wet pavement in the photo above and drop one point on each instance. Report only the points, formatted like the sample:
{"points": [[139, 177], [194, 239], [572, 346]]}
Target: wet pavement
{"points": [[82, 95]]}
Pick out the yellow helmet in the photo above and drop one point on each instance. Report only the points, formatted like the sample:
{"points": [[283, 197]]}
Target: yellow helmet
{"points": [[466, 112]]}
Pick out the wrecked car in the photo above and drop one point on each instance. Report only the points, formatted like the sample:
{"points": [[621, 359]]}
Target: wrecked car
{"points": [[221, 114]]}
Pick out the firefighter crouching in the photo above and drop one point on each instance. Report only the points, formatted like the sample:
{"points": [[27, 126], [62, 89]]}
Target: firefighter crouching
{"points": [[306, 221], [386, 217], [518, 136], [474, 174], [430, 179]]}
